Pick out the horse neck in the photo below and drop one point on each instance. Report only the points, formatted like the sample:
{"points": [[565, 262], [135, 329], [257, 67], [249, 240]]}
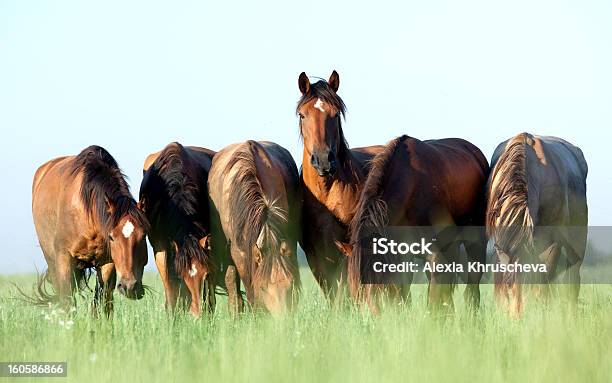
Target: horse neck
{"points": [[347, 181]]}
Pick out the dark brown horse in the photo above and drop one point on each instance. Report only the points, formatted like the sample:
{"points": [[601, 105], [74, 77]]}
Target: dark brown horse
{"points": [[332, 177], [174, 197], [254, 189], [536, 208], [433, 183], [85, 217]]}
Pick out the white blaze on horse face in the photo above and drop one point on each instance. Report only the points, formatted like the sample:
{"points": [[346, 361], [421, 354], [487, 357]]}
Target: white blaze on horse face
{"points": [[319, 105], [128, 229], [193, 271]]}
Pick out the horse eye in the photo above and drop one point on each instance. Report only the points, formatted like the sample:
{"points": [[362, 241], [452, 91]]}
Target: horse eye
{"points": [[301, 116]]}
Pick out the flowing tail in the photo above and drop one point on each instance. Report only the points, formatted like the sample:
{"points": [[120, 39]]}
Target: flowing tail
{"points": [[509, 222]]}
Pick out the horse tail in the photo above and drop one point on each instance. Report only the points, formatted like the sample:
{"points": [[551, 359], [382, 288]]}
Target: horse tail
{"points": [[256, 219], [509, 221], [41, 295], [371, 212]]}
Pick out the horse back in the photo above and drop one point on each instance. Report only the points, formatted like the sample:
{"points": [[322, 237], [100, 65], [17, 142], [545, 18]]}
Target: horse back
{"points": [[364, 155], [456, 172], [558, 171], [56, 207], [42, 171], [427, 182], [162, 171], [202, 156], [274, 164], [555, 174]]}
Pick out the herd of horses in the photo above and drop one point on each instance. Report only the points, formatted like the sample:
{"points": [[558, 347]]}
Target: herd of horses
{"points": [[222, 221]]}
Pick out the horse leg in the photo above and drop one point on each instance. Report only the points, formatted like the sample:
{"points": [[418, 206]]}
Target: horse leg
{"points": [[573, 284], [575, 250], [549, 257], [317, 269], [209, 294], [232, 283], [572, 276], [325, 263], [63, 279], [105, 285], [476, 252], [441, 286], [166, 273]]}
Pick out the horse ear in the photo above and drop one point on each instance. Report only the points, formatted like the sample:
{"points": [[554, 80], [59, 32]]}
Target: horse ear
{"points": [[304, 83], [205, 242], [345, 248], [334, 81]]}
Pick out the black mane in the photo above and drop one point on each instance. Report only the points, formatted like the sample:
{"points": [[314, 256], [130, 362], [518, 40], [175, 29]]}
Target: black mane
{"points": [[371, 213], [176, 204], [104, 184]]}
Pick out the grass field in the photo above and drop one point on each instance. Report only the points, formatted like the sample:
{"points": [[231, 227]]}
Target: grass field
{"points": [[144, 343]]}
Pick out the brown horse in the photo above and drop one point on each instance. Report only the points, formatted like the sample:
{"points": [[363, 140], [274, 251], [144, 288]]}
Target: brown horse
{"points": [[174, 197], [85, 217], [433, 183], [536, 208], [254, 189], [332, 177]]}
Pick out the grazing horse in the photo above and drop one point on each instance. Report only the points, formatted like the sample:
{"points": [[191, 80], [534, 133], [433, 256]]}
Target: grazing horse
{"points": [[85, 217], [254, 191], [332, 177], [174, 197], [433, 183], [536, 207]]}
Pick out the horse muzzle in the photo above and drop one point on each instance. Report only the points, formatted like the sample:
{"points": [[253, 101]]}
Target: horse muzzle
{"points": [[131, 289], [324, 163]]}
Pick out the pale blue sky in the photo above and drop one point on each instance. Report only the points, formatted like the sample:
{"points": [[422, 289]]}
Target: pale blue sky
{"points": [[133, 76]]}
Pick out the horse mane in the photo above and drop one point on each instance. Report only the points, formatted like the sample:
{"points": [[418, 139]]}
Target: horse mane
{"points": [[371, 212], [255, 219], [174, 199], [509, 221], [322, 90], [104, 184]]}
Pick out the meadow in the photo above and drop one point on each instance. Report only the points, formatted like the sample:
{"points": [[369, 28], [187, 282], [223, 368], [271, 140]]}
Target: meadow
{"points": [[144, 343]]}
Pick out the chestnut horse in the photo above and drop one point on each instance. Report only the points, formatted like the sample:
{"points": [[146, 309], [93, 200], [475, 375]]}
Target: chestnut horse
{"points": [[536, 207], [85, 217], [435, 183], [174, 197], [254, 191], [332, 177]]}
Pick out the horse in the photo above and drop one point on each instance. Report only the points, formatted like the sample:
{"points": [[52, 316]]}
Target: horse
{"points": [[255, 212], [331, 177], [174, 197], [85, 217], [438, 184], [536, 208]]}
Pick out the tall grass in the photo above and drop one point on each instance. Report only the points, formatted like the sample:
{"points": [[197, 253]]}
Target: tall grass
{"points": [[144, 343]]}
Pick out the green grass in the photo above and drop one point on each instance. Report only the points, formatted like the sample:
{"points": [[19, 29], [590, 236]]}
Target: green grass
{"points": [[144, 343]]}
